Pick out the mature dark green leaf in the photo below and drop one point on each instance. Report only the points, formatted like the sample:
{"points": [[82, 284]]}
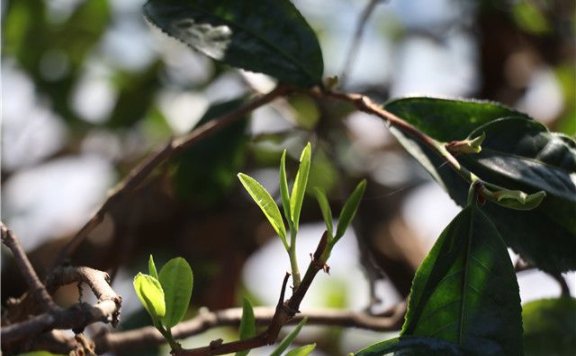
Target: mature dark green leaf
{"points": [[413, 346], [517, 154], [550, 326], [267, 36], [177, 281], [247, 324], [524, 155], [448, 119], [206, 171], [465, 292]]}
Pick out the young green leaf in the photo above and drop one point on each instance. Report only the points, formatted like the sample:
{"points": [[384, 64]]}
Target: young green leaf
{"points": [[284, 189], [349, 210], [151, 295], [325, 209], [288, 339], [267, 36], [466, 292], [299, 188], [177, 281], [247, 324], [152, 267], [302, 350], [515, 199], [263, 199]]}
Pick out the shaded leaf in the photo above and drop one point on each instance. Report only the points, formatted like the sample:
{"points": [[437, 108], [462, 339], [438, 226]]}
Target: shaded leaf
{"points": [[285, 343], [299, 188], [265, 202], [267, 36], [177, 281], [349, 209], [412, 345], [550, 326], [465, 292], [206, 171], [325, 209], [151, 295], [247, 324], [302, 350]]}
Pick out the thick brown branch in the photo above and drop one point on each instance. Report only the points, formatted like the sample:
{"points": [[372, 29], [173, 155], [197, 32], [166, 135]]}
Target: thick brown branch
{"points": [[39, 292], [144, 169]]}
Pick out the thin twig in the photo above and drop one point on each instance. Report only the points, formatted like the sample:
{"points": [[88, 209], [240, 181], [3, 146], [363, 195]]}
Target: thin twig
{"points": [[38, 290], [357, 39], [157, 158]]}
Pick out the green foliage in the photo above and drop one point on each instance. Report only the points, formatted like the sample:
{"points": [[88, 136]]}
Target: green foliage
{"points": [[247, 324], [299, 188], [269, 36], [206, 172], [518, 154], [325, 208], [465, 293], [265, 202], [286, 341], [412, 346], [166, 295], [349, 210], [302, 350], [177, 282], [549, 327], [151, 295]]}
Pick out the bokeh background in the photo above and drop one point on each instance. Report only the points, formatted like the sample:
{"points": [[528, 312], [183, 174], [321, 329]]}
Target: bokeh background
{"points": [[89, 89]]}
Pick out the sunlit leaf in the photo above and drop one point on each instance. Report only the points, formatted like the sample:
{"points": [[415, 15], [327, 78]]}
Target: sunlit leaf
{"points": [[267, 36], [302, 350], [151, 295], [152, 267], [265, 202], [177, 281], [247, 324], [299, 188]]}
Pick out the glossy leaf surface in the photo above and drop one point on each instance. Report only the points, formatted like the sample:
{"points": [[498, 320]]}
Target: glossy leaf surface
{"points": [[517, 154], [284, 192], [325, 209], [265, 202], [177, 282], [302, 350], [267, 36], [465, 292], [349, 209], [152, 267]]}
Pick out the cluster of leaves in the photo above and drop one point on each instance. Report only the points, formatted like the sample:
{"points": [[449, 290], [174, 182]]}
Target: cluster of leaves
{"points": [[514, 178], [166, 295]]}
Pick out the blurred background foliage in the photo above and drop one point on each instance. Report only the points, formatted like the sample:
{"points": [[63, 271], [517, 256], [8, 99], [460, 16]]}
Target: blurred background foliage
{"points": [[89, 89]]}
